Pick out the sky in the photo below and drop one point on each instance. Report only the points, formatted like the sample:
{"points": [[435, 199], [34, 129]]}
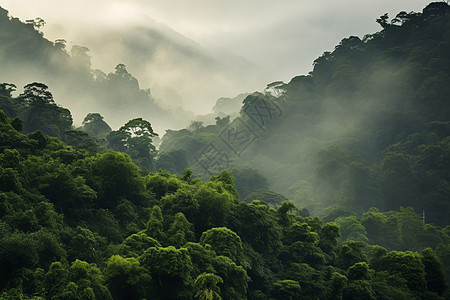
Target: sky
{"points": [[284, 37]]}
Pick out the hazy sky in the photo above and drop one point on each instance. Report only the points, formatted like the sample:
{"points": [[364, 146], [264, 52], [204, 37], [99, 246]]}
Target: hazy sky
{"points": [[285, 36]]}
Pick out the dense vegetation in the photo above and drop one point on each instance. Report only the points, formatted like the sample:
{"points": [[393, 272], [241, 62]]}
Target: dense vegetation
{"points": [[369, 126], [362, 141], [81, 226]]}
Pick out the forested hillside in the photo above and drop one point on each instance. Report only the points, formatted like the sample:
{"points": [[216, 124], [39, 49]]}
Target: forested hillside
{"points": [[367, 127], [26, 56], [332, 186], [81, 226]]}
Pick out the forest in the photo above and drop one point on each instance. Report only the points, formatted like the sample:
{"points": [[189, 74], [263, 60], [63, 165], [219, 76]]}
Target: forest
{"points": [[335, 185]]}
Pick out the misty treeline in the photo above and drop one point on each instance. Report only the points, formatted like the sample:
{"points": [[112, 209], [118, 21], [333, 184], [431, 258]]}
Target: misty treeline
{"points": [[368, 127], [28, 57], [362, 141], [77, 225]]}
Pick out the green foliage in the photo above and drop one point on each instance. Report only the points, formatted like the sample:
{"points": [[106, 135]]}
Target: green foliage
{"points": [[257, 224], [117, 177], [136, 244], [95, 126], [248, 180], [359, 271], [367, 128], [214, 204], [180, 231], [358, 289], [135, 139], [154, 226], [337, 285], [170, 269], [311, 280], [125, 278], [329, 235], [174, 161], [286, 289], [351, 229], [406, 265], [224, 242], [351, 252], [434, 273], [235, 278], [206, 287], [84, 244], [35, 109]]}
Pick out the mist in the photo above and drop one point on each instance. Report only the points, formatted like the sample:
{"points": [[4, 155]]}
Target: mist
{"points": [[237, 150], [192, 53], [171, 79]]}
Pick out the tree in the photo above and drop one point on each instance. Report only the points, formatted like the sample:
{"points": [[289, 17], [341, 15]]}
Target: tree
{"points": [[79, 281], [41, 112], [95, 126], [55, 279], [180, 231], [136, 244], [222, 122], [434, 272], [206, 287], [351, 252], [126, 278], [17, 124], [87, 281], [195, 126], [329, 235], [170, 269], [36, 23], [301, 244], [6, 89], [383, 21], [70, 194], [155, 224], [36, 94], [116, 140], [351, 229], [276, 89], [173, 161], [257, 224], [135, 138], [407, 265], [379, 231], [85, 244], [224, 242], [235, 278], [337, 285], [138, 128], [114, 176], [359, 271], [121, 71], [214, 204], [7, 103], [311, 280], [81, 57], [60, 44], [286, 289], [359, 290]]}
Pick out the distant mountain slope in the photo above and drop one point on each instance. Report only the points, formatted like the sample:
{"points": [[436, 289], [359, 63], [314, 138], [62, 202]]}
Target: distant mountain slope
{"points": [[180, 71], [26, 56], [229, 106], [369, 126]]}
